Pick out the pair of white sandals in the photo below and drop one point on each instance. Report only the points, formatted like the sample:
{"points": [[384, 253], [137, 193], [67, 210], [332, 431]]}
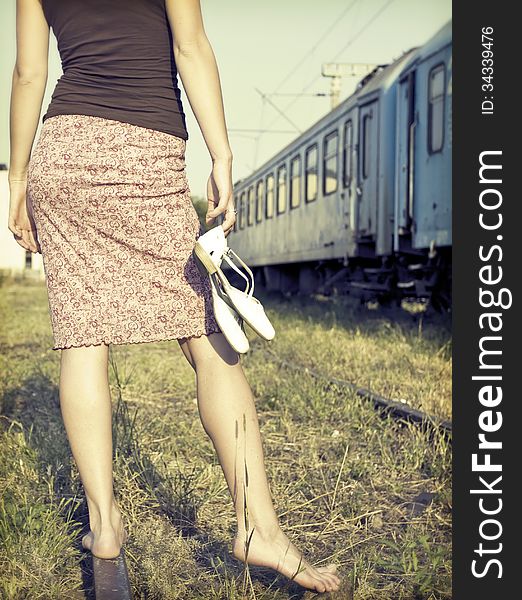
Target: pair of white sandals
{"points": [[231, 305]]}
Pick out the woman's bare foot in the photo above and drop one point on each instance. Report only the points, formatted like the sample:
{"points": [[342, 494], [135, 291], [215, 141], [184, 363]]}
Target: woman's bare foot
{"points": [[106, 541], [277, 552]]}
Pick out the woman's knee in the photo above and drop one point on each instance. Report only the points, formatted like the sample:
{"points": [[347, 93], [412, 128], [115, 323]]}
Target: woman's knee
{"points": [[83, 367], [91, 357], [212, 349]]}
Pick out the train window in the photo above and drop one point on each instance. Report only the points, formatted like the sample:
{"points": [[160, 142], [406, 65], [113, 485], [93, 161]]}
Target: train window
{"points": [[281, 189], [436, 109], [269, 212], [241, 211], [250, 210], [330, 162], [260, 193], [295, 182], [366, 137], [347, 153], [311, 158]]}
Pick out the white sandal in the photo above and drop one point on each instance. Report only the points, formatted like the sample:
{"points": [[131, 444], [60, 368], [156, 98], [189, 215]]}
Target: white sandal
{"points": [[230, 323], [211, 250]]}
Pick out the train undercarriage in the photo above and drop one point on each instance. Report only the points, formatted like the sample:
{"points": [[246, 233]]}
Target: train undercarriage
{"points": [[423, 276]]}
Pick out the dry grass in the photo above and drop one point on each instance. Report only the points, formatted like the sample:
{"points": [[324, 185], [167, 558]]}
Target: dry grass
{"points": [[344, 479]]}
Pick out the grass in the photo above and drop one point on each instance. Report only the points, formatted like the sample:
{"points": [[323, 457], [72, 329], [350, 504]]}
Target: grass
{"points": [[346, 482]]}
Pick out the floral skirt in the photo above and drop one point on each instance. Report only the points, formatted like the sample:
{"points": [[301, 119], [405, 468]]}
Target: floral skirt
{"points": [[116, 226]]}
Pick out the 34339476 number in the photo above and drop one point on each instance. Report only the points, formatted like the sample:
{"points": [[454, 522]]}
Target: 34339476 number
{"points": [[487, 70]]}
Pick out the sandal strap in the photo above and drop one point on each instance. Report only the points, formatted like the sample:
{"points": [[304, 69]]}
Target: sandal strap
{"points": [[231, 252], [250, 283]]}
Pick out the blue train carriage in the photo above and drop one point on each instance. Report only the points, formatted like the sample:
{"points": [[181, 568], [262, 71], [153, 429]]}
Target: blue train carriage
{"points": [[422, 212], [371, 271], [361, 201], [295, 212]]}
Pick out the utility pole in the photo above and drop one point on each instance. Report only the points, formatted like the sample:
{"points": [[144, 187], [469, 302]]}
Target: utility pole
{"points": [[338, 70]]}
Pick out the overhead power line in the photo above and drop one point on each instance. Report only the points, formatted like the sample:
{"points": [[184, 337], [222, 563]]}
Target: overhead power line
{"points": [[370, 22], [313, 48], [265, 97], [294, 69], [350, 41], [234, 129]]}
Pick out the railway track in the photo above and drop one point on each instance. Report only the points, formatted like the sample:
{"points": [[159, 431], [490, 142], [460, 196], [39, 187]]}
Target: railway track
{"points": [[111, 578], [395, 409]]}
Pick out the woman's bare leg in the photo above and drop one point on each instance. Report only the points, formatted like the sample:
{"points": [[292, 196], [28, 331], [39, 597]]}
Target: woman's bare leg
{"points": [[87, 415], [228, 414]]}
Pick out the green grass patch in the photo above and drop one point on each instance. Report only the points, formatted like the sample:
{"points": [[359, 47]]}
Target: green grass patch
{"points": [[346, 481]]}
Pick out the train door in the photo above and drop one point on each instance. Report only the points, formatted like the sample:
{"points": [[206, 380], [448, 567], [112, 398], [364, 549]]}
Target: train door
{"points": [[406, 152], [368, 169], [348, 178], [432, 198]]}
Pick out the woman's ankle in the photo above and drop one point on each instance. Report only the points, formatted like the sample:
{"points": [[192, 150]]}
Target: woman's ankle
{"points": [[265, 532], [102, 519]]}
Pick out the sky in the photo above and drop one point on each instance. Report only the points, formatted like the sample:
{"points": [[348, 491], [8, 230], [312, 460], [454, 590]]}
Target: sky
{"points": [[269, 55]]}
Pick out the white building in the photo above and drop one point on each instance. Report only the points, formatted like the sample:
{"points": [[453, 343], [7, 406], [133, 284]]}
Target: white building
{"points": [[14, 260]]}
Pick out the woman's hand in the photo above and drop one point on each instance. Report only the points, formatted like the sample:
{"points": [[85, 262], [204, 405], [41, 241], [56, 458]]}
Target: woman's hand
{"points": [[219, 194], [21, 220]]}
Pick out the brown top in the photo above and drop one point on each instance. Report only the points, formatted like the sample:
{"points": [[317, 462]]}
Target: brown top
{"points": [[118, 62]]}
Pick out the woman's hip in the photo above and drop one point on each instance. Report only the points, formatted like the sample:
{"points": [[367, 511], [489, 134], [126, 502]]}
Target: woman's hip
{"points": [[102, 157]]}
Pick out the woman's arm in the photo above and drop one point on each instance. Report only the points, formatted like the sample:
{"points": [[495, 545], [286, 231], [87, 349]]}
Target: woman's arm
{"points": [[27, 92], [196, 65], [29, 81]]}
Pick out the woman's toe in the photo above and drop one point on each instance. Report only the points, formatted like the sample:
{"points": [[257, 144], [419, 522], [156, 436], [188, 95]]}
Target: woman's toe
{"points": [[321, 587], [328, 569], [331, 568], [328, 572], [332, 584], [335, 581], [328, 582]]}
